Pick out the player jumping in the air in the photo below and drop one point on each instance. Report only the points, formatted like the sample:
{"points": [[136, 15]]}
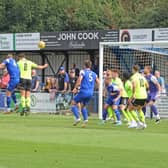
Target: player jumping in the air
{"points": [[86, 82], [139, 96], [113, 99], [26, 67], [153, 91], [14, 73]]}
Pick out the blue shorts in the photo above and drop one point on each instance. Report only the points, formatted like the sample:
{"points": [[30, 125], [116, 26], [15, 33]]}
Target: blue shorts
{"points": [[110, 101], [12, 84], [152, 96], [83, 98]]}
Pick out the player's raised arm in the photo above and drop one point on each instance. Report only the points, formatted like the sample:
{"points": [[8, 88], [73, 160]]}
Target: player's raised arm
{"points": [[42, 66]]}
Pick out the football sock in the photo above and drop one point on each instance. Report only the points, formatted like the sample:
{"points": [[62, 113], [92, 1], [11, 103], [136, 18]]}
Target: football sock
{"points": [[14, 97], [134, 115], [142, 116], [8, 101], [154, 110], [104, 114], [27, 101], [144, 110], [125, 115], [117, 112], [129, 115], [74, 109], [111, 113], [23, 102], [84, 114]]}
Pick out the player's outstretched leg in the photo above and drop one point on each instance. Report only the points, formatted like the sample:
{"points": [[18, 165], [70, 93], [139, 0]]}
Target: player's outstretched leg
{"points": [[15, 101], [85, 116], [75, 111], [155, 111]]}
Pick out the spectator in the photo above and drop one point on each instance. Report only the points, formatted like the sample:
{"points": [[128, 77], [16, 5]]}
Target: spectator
{"points": [[35, 84], [52, 89], [161, 81], [76, 69], [72, 79], [47, 85], [62, 80], [4, 79]]}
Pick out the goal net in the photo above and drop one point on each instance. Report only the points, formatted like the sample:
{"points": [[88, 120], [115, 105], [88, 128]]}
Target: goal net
{"points": [[123, 55]]}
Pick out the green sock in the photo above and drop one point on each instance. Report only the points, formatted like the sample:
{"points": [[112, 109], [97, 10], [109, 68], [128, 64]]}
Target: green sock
{"points": [[111, 113], [125, 115], [142, 116], [28, 101], [23, 101], [129, 115], [134, 115]]}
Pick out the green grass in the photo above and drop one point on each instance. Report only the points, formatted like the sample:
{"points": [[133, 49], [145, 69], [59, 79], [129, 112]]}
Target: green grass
{"points": [[48, 141]]}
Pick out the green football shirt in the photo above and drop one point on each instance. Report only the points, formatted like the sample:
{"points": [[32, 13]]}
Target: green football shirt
{"points": [[128, 88], [26, 67], [119, 83], [140, 83]]}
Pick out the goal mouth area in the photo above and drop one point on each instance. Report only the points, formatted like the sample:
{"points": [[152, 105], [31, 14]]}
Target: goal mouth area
{"points": [[154, 53]]}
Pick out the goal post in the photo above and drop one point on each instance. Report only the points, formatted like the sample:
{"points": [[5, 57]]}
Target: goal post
{"points": [[123, 55]]}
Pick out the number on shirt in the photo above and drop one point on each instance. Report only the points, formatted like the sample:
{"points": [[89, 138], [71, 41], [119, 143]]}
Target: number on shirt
{"points": [[25, 66], [90, 77], [142, 83]]}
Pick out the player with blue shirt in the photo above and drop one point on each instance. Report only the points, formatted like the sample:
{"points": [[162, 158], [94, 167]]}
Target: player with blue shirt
{"points": [[154, 88], [113, 99], [14, 73], [86, 82]]}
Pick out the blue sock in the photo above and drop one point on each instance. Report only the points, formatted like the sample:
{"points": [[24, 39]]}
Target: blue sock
{"points": [[144, 110], [74, 109], [84, 113], [154, 110], [14, 97], [104, 114], [117, 112], [8, 101]]}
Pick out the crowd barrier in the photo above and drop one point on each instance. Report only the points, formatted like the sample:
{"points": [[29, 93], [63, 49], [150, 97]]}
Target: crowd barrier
{"points": [[61, 102], [50, 102]]}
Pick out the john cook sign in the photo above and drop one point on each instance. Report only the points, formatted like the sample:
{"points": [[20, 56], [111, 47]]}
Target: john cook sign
{"points": [[78, 40]]}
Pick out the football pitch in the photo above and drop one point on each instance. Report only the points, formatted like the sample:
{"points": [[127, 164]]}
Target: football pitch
{"points": [[50, 141]]}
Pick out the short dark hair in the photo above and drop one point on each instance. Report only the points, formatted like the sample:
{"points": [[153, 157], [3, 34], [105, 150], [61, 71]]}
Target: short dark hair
{"points": [[136, 68], [88, 64], [21, 55], [148, 67], [126, 75]]}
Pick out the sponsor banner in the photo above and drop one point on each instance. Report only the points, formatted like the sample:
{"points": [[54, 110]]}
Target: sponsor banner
{"points": [[161, 34], [136, 35], [71, 40], [42, 102], [6, 42], [26, 41], [3, 101]]}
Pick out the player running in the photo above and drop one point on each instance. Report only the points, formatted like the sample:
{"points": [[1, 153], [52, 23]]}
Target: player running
{"points": [[26, 67], [86, 82], [139, 96], [153, 91], [14, 73], [113, 99]]}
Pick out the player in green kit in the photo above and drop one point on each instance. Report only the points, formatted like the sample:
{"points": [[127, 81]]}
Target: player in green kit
{"points": [[26, 67], [124, 97], [139, 96], [132, 115]]}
